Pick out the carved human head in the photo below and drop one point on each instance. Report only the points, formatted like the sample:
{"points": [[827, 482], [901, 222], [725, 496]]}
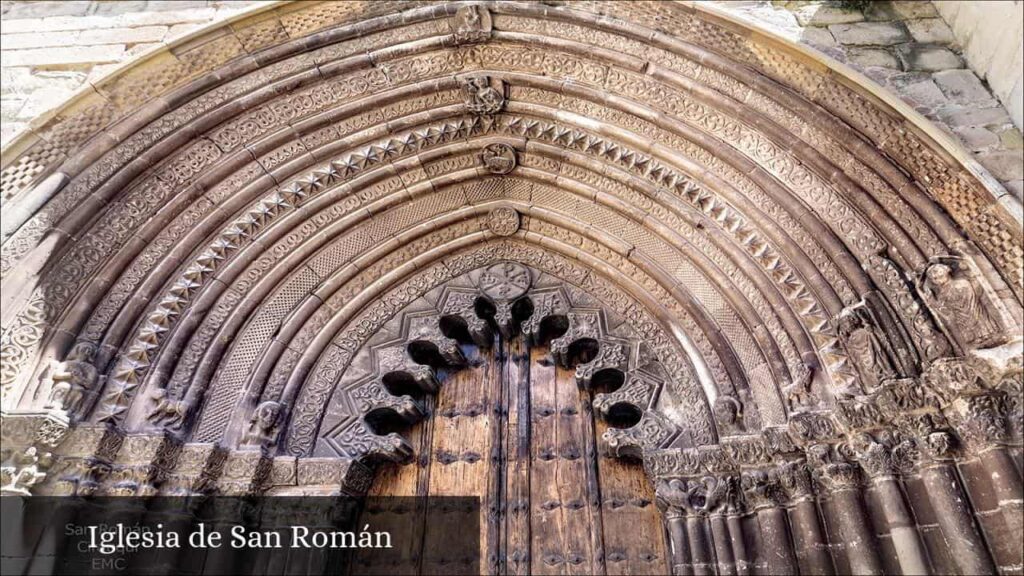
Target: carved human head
{"points": [[939, 274], [83, 351]]}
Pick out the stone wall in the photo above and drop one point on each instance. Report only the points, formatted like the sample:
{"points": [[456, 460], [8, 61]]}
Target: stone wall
{"points": [[992, 36], [908, 48], [49, 50]]}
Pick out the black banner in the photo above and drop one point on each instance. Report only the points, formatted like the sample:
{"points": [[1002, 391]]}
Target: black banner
{"points": [[226, 535]]}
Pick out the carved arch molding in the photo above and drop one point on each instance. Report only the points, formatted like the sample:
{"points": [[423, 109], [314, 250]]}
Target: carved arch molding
{"points": [[228, 265]]}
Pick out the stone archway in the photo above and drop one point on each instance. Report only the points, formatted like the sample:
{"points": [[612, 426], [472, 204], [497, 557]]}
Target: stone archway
{"points": [[196, 257]]}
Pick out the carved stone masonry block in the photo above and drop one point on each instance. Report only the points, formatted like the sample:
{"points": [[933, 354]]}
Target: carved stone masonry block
{"points": [[246, 472], [395, 359], [651, 432], [197, 470], [373, 397], [638, 391], [28, 439], [461, 306], [582, 325], [610, 356], [471, 24], [425, 335], [347, 476], [142, 464]]}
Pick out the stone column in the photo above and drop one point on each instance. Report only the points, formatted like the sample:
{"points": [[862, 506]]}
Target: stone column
{"points": [[764, 497], [808, 536], [721, 499], [952, 507], [843, 481], [877, 461], [670, 496], [981, 422]]}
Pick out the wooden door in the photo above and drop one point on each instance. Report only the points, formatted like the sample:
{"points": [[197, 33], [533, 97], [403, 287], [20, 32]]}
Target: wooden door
{"points": [[516, 431]]}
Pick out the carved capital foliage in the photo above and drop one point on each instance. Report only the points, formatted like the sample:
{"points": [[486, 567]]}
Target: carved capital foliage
{"points": [[981, 420]]}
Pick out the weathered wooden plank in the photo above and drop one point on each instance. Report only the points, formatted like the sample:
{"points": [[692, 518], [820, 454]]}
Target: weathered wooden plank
{"points": [[461, 464], [517, 439], [633, 532]]}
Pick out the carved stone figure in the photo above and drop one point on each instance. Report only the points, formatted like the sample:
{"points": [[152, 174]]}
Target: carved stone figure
{"points": [[72, 379], [799, 395], [960, 306], [865, 350], [263, 424], [472, 23], [22, 469], [499, 158], [484, 95], [728, 415], [166, 412]]}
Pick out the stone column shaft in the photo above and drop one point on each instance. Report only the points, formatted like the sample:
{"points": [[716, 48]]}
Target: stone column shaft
{"points": [[739, 548], [680, 547], [723, 545], [700, 548], [855, 529], [778, 547], [811, 548], [902, 528], [953, 513]]}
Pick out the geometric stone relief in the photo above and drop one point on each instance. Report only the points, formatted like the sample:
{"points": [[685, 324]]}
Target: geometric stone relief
{"points": [[418, 348]]}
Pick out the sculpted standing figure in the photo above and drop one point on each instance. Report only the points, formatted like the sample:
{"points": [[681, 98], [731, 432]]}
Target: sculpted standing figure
{"points": [[865, 350], [960, 306]]}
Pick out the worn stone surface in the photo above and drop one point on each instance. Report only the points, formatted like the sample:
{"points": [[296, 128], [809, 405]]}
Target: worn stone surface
{"points": [[930, 31], [991, 37], [49, 49], [928, 58], [912, 47], [447, 234], [870, 33]]}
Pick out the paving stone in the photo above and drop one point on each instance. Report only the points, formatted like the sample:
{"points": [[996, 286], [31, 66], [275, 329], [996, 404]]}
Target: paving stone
{"points": [[976, 138], [818, 37], [38, 9], [1011, 139], [1015, 188], [924, 95], [1004, 164], [119, 6], [123, 35], [928, 58], [930, 31], [961, 86], [966, 116], [159, 5], [57, 56], [865, 57], [870, 33], [907, 9], [826, 14]]}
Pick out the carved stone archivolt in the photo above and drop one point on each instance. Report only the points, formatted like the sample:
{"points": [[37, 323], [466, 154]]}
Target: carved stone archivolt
{"points": [[246, 265]]}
